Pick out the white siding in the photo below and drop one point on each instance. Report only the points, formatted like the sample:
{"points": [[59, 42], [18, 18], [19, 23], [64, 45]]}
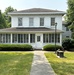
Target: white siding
{"points": [[66, 33], [47, 21]]}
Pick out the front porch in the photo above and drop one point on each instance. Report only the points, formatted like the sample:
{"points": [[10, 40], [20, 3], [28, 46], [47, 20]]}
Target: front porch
{"points": [[37, 40]]}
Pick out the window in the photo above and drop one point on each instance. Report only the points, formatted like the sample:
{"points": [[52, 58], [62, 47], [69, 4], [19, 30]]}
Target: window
{"points": [[52, 21], [8, 38], [67, 36], [5, 38], [38, 38], [45, 38], [20, 38], [14, 38], [32, 38], [67, 29], [0, 38], [50, 38], [53, 38], [41, 21], [26, 39], [58, 38], [19, 21], [31, 21]]}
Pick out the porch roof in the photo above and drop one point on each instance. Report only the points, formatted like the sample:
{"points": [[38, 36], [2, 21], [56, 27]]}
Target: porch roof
{"points": [[29, 29]]}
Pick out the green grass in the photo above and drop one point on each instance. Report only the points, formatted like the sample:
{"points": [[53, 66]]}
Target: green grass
{"points": [[15, 63], [62, 66]]}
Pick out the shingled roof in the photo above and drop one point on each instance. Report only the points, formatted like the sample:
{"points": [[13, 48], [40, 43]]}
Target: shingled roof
{"points": [[37, 10], [28, 29]]}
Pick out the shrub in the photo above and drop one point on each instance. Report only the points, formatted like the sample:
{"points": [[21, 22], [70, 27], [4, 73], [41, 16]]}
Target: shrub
{"points": [[66, 43], [15, 47], [72, 43], [50, 47]]}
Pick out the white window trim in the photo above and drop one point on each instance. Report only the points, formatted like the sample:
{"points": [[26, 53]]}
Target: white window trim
{"points": [[22, 22], [44, 22], [50, 21], [29, 22]]}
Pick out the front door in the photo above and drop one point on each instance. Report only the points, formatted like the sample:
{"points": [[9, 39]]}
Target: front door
{"points": [[38, 42]]}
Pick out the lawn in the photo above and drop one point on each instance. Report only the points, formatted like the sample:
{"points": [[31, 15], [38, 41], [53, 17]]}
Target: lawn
{"points": [[15, 63], [62, 66]]}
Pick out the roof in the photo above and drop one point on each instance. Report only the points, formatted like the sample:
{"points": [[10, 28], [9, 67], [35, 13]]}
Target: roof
{"points": [[36, 10], [28, 29]]}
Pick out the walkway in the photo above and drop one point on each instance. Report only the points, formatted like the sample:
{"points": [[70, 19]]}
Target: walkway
{"points": [[40, 65]]}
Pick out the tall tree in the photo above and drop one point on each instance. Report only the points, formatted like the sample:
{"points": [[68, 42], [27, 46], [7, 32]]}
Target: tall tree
{"points": [[2, 21], [7, 17], [70, 16]]}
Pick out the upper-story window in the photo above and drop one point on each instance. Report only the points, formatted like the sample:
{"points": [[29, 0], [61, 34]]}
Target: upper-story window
{"points": [[41, 21], [31, 21], [52, 21], [19, 21], [67, 29]]}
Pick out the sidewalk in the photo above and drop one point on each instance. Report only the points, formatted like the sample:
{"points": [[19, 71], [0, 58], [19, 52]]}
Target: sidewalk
{"points": [[40, 65]]}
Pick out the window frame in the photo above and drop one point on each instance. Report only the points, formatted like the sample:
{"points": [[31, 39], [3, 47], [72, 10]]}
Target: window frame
{"points": [[52, 21], [42, 21], [32, 38], [20, 24], [50, 38], [67, 29], [31, 21]]}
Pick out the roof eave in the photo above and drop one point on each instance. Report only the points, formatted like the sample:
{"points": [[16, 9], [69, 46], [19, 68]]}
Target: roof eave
{"points": [[36, 13], [30, 31]]}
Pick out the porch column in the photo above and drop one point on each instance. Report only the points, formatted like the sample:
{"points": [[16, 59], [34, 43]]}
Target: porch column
{"points": [[61, 39], [29, 38], [11, 38]]}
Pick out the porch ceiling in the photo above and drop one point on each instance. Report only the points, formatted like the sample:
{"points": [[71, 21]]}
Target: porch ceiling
{"points": [[30, 29]]}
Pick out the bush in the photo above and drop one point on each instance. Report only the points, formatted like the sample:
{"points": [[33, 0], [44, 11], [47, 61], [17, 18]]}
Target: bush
{"points": [[72, 43], [15, 47], [66, 43], [50, 47]]}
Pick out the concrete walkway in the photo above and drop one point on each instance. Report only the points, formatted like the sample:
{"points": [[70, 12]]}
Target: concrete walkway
{"points": [[40, 65]]}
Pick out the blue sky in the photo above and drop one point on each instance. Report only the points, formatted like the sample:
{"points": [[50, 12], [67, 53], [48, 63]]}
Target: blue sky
{"points": [[24, 4]]}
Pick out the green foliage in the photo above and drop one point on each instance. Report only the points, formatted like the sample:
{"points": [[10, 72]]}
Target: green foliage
{"points": [[7, 17], [68, 44], [2, 21], [15, 47], [50, 47], [70, 15]]}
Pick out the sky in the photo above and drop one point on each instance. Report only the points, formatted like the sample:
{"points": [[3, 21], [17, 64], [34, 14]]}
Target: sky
{"points": [[26, 4]]}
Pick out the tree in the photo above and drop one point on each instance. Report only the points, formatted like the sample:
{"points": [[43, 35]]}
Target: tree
{"points": [[70, 16], [2, 21], [7, 17]]}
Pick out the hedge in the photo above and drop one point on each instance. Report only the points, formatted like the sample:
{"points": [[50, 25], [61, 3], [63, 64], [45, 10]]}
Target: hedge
{"points": [[50, 47], [68, 44], [15, 47]]}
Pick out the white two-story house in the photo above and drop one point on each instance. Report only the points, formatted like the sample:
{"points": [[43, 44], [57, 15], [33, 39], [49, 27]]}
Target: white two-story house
{"points": [[34, 26]]}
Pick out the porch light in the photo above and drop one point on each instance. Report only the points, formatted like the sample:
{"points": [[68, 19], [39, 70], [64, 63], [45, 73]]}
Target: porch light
{"points": [[55, 35]]}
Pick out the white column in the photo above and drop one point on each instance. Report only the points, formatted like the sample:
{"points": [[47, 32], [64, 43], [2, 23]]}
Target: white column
{"points": [[42, 40], [61, 39], [11, 38], [29, 39]]}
